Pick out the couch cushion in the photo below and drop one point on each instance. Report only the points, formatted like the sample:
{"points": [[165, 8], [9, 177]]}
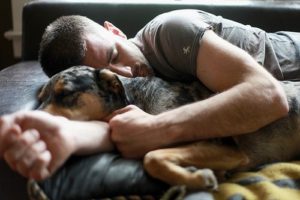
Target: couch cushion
{"points": [[19, 85]]}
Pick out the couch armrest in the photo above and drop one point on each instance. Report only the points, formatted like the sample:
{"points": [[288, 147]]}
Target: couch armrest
{"points": [[19, 85]]}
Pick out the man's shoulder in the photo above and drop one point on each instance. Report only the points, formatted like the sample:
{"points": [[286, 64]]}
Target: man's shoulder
{"points": [[170, 42], [172, 21], [180, 16]]}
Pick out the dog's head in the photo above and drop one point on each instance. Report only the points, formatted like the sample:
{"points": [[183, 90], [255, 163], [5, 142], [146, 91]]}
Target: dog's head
{"points": [[83, 93]]}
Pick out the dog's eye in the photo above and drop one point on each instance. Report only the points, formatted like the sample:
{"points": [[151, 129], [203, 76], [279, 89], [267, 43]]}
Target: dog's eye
{"points": [[103, 95], [67, 97], [67, 92]]}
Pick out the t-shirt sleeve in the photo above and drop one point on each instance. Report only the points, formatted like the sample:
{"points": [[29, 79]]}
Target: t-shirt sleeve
{"points": [[179, 38]]}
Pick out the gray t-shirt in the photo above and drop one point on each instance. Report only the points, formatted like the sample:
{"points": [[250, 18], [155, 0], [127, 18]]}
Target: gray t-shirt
{"points": [[170, 42]]}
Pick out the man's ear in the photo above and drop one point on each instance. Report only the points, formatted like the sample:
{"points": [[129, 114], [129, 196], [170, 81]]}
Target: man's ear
{"points": [[113, 29]]}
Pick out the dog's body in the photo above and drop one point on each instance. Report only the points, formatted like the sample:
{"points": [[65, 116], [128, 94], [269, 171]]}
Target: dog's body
{"points": [[87, 94]]}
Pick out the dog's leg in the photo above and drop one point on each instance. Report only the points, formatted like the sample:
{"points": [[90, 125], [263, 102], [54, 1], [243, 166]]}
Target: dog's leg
{"points": [[169, 164]]}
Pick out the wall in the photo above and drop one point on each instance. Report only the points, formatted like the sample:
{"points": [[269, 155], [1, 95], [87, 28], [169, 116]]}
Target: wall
{"points": [[6, 50]]}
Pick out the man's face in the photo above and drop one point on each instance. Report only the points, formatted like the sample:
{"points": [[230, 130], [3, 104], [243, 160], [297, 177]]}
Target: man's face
{"points": [[105, 49]]}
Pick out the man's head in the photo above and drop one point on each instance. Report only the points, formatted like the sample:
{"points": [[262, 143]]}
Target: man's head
{"points": [[77, 40], [63, 44]]}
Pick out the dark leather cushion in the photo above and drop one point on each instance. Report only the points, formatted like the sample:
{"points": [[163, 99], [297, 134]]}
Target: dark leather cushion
{"points": [[100, 176]]}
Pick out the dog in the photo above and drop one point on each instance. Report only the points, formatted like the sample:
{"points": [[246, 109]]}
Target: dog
{"points": [[84, 93]]}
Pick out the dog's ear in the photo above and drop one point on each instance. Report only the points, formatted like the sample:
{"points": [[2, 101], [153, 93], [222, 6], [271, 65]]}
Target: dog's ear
{"points": [[42, 95], [42, 92], [107, 80], [116, 85], [63, 86]]}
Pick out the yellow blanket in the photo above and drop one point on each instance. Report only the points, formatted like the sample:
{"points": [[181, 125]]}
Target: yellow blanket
{"points": [[278, 181]]}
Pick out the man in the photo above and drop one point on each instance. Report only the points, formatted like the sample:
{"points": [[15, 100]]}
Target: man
{"points": [[180, 45]]}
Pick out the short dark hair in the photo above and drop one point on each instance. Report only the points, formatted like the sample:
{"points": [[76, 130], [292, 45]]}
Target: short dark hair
{"points": [[63, 44]]}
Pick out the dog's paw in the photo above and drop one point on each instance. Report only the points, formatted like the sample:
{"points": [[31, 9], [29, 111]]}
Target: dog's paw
{"points": [[210, 179], [204, 179]]}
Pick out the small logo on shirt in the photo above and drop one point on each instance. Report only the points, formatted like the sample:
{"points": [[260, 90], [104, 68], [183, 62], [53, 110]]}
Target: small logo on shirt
{"points": [[186, 50]]}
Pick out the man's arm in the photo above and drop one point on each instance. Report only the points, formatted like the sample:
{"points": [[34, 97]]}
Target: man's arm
{"points": [[248, 98], [36, 143]]}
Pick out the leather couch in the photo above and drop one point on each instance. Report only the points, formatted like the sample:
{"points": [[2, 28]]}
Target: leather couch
{"points": [[19, 83]]}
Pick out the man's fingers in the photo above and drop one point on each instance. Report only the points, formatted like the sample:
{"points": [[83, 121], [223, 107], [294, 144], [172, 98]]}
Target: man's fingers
{"points": [[19, 146], [116, 112], [33, 152], [9, 137], [119, 111], [29, 157], [39, 170]]}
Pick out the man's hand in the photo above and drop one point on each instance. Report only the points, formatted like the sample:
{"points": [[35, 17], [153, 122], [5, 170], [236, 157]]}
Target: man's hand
{"points": [[135, 132], [35, 144], [28, 155]]}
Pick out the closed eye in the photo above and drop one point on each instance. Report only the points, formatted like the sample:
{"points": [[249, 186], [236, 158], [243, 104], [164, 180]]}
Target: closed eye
{"points": [[102, 94], [114, 56]]}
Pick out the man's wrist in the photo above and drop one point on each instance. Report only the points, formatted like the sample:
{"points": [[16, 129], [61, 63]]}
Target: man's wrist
{"points": [[67, 131], [170, 129]]}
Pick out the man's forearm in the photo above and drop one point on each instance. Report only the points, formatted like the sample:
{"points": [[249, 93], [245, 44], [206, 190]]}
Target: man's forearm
{"points": [[90, 137], [244, 108]]}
